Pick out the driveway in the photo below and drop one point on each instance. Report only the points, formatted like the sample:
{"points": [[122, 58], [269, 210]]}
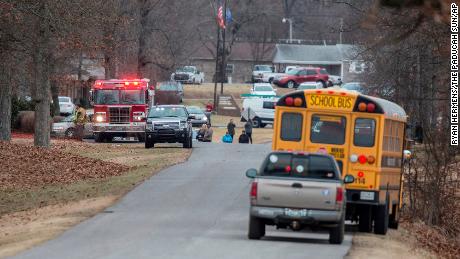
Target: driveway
{"points": [[198, 209]]}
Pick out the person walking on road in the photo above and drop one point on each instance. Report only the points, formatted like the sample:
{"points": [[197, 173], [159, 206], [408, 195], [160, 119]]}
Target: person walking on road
{"points": [[248, 129], [208, 134], [231, 128], [243, 139]]}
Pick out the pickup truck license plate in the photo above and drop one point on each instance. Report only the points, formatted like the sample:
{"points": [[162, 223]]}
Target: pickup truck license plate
{"points": [[295, 213], [369, 196]]}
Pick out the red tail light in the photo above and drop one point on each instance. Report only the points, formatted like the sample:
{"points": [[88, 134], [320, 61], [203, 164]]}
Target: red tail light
{"points": [[253, 192], [362, 159], [339, 194], [289, 101]]}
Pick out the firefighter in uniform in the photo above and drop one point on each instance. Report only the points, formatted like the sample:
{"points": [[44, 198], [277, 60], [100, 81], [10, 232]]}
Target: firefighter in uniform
{"points": [[79, 119]]}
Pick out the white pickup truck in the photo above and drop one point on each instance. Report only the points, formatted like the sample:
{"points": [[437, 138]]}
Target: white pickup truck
{"points": [[269, 77], [298, 190], [188, 75]]}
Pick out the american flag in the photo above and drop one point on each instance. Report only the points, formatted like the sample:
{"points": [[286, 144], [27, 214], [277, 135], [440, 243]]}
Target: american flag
{"points": [[220, 16]]}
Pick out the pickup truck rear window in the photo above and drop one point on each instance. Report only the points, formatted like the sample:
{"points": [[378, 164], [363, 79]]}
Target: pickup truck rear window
{"points": [[300, 166]]}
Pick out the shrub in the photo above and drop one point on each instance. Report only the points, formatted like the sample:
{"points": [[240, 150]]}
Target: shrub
{"points": [[17, 105], [26, 120]]}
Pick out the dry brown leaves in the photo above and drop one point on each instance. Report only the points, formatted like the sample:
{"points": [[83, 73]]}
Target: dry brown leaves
{"points": [[435, 239], [28, 166]]}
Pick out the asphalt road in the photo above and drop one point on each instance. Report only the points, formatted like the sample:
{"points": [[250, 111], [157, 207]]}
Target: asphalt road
{"points": [[198, 209]]}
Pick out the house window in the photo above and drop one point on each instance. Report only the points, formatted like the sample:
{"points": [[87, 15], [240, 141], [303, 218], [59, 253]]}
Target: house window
{"points": [[357, 67], [230, 68]]}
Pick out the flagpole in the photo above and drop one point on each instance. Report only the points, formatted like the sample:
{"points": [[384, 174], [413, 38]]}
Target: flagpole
{"points": [[223, 68], [217, 67]]}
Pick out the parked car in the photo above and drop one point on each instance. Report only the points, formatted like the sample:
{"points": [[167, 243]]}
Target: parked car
{"points": [[259, 70], [199, 117], [188, 74], [335, 80], [66, 127], [310, 85], [270, 77], [261, 111], [263, 89], [66, 106], [297, 190], [297, 76], [355, 86], [168, 124], [169, 92]]}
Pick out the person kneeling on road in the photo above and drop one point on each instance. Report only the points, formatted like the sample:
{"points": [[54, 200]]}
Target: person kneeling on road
{"points": [[201, 132], [208, 134], [227, 138], [244, 138]]}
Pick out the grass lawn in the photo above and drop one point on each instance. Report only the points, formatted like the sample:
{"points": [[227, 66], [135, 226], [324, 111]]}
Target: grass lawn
{"points": [[142, 164], [32, 215]]}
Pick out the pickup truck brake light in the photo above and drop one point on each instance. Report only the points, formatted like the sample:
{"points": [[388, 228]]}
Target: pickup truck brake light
{"points": [[339, 195], [253, 192]]}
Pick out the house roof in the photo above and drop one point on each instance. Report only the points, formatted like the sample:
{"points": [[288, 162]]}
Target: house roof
{"points": [[241, 51], [313, 54]]}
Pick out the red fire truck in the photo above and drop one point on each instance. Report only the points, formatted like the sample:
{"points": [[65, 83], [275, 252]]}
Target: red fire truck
{"points": [[120, 108]]}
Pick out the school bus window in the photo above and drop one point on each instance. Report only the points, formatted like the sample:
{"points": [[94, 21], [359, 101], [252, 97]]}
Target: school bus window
{"points": [[291, 126], [328, 129], [364, 135]]}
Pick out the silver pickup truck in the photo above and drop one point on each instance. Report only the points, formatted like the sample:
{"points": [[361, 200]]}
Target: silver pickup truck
{"points": [[297, 190]]}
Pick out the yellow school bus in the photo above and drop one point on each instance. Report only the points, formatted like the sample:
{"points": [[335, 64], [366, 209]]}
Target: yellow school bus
{"points": [[365, 134]]}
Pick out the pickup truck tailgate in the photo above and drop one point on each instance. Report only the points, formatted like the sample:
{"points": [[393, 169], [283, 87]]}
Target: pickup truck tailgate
{"points": [[296, 193]]}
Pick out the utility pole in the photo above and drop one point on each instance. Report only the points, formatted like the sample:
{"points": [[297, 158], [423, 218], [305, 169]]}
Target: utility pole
{"points": [[223, 68], [290, 27], [341, 30]]}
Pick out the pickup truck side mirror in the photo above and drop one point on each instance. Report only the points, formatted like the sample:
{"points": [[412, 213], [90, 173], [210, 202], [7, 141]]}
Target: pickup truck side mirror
{"points": [[348, 178], [251, 173]]}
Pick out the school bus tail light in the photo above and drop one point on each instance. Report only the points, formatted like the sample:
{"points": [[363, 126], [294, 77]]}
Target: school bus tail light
{"points": [[295, 99], [367, 104], [362, 159], [370, 107], [371, 159], [298, 102]]}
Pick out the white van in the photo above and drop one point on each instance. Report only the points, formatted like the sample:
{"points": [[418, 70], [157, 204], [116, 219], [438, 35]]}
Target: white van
{"points": [[260, 110]]}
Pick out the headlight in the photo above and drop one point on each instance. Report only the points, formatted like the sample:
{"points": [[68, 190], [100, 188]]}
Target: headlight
{"points": [[205, 118], [149, 126], [183, 125], [100, 116]]}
